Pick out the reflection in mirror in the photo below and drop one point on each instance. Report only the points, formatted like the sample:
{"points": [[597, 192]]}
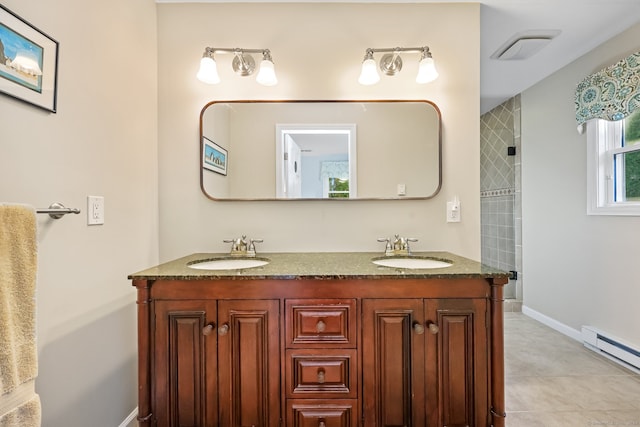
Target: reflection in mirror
{"points": [[316, 161], [283, 150]]}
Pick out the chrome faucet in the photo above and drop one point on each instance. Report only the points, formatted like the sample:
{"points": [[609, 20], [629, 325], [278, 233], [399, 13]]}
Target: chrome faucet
{"points": [[400, 245], [241, 247]]}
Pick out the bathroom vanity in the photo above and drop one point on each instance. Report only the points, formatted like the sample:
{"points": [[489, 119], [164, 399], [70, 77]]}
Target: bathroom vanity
{"points": [[322, 340]]}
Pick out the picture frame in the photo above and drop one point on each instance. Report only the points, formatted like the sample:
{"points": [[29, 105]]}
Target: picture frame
{"points": [[214, 157], [28, 62]]}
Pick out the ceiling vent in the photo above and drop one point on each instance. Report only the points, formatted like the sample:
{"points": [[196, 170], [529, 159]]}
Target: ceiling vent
{"points": [[524, 45]]}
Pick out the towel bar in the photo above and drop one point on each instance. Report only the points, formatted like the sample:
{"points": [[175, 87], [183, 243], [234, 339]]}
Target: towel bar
{"points": [[58, 210]]}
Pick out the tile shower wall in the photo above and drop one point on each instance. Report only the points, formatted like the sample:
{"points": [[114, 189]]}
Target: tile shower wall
{"points": [[500, 191]]}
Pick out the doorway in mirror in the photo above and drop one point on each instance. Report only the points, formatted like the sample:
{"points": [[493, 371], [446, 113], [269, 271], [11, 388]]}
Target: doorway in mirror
{"points": [[316, 161]]}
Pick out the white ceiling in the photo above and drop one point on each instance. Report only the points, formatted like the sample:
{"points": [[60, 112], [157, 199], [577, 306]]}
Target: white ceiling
{"points": [[322, 144], [583, 25]]}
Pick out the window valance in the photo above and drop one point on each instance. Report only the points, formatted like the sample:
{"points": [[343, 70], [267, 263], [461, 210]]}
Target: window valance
{"points": [[335, 170], [610, 94]]}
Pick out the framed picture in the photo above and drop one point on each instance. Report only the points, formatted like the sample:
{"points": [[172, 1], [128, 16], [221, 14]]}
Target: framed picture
{"points": [[214, 157], [28, 62]]}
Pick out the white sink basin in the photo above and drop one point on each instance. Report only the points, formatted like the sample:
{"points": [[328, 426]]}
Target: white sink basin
{"points": [[411, 262], [229, 263]]}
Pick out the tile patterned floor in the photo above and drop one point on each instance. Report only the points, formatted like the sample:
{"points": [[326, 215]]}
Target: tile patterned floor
{"points": [[553, 381]]}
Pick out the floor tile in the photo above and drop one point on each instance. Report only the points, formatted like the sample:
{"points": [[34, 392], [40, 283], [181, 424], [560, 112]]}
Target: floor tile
{"points": [[552, 380]]}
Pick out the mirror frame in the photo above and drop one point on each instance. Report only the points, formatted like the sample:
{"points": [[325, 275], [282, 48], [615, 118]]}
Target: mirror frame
{"points": [[306, 101]]}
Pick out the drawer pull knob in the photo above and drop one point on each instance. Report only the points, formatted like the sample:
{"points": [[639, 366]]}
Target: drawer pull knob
{"points": [[433, 328], [208, 328], [224, 329], [321, 423], [321, 326], [321, 376], [418, 328]]}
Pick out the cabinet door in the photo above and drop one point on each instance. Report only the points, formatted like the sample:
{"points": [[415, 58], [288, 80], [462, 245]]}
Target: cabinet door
{"points": [[456, 362], [249, 362], [393, 349], [185, 364]]}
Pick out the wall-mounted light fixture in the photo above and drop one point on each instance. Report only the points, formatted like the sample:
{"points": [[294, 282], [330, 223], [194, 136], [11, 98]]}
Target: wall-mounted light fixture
{"points": [[391, 64], [243, 64]]}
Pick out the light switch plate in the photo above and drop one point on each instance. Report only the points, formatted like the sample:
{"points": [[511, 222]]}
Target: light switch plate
{"points": [[95, 210]]}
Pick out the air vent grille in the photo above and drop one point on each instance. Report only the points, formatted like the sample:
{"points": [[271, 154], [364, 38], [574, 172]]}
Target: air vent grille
{"points": [[524, 45]]}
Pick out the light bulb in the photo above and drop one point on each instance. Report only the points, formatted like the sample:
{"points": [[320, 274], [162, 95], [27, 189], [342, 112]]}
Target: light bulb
{"points": [[426, 71], [267, 74], [369, 74], [208, 72]]}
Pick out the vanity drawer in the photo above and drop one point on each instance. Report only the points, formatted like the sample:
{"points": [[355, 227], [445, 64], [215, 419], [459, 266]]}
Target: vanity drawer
{"points": [[331, 373], [322, 413], [330, 322]]}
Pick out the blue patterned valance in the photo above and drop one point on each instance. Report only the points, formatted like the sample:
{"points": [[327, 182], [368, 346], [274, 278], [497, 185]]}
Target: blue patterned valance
{"points": [[610, 94], [334, 170]]}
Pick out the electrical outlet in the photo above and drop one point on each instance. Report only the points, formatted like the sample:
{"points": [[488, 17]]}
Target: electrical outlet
{"points": [[95, 210], [453, 211], [402, 190]]}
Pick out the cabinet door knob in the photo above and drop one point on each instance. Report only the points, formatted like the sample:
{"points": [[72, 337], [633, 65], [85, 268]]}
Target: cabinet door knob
{"points": [[320, 376], [321, 422], [433, 328], [418, 328], [208, 328], [224, 329], [321, 326]]}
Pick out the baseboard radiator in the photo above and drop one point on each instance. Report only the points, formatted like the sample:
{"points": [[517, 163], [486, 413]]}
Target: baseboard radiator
{"points": [[611, 347]]}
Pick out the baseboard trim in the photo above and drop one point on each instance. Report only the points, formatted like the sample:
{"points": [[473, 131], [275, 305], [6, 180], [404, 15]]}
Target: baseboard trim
{"points": [[552, 323], [132, 416]]}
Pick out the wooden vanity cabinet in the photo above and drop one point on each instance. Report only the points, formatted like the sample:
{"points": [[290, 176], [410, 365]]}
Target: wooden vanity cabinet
{"points": [[425, 363], [185, 356], [216, 363], [321, 352]]}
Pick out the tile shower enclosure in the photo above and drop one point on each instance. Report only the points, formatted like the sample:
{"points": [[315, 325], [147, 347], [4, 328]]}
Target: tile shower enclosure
{"points": [[500, 206]]}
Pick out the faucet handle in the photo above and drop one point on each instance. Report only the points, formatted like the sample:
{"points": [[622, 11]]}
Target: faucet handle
{"points": [[407, 240], [252, 242], [388, 249], [251, 249]]}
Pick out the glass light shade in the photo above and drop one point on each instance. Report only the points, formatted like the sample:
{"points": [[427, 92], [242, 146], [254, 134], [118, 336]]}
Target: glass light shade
{"points": [[208, 72], [369, 74], [267, 74], [426, 71]]}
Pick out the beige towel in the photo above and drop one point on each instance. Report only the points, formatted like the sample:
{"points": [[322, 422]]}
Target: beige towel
{"points": [[27, 414], [18, 266]]}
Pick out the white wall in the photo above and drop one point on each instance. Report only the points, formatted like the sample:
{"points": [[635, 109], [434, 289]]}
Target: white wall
{"points": [[101, 142], [317, 50], [577, 269]]}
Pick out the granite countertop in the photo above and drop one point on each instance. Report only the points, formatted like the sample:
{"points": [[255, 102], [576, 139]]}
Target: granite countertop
{"points": [[319, 265]]}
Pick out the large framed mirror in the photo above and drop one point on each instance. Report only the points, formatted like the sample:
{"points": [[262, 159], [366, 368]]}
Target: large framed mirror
{"points": [[320, 150]]}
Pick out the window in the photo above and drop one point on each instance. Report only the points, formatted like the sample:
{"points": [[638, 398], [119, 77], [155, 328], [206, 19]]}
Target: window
{"points": [[338, 188], [613, 165]]}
